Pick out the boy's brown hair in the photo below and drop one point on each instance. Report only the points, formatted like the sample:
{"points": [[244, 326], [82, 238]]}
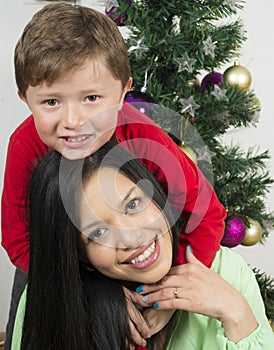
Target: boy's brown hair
{"points": [[61, 37]]}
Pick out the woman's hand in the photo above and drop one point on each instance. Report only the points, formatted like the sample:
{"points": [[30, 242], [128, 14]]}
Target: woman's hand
{"points": [[137, 323], [195, 288], [144, 325]]}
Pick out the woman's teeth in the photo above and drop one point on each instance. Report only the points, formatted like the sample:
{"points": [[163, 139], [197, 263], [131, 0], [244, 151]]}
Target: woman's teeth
{"points": [[146, 254]]}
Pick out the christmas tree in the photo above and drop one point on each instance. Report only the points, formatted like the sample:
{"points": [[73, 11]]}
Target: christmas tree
{"points": [[171, 44]]}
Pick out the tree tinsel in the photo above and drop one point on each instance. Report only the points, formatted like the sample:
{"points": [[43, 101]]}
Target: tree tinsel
{"points": [[266, 284], [171, 43]]}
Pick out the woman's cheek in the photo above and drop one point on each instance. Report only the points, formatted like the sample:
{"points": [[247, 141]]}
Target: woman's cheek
{"points": [[101, 258]]}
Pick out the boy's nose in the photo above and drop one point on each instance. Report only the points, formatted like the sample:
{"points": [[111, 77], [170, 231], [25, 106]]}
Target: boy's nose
{"points": [[73, 117]]}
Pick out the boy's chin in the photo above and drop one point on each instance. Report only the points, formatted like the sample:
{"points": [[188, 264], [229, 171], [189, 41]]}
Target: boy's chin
{"points": [[76, 154]]}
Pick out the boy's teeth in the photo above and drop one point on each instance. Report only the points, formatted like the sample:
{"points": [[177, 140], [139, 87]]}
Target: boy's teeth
{"points": [[76, 138], [144, 255]]}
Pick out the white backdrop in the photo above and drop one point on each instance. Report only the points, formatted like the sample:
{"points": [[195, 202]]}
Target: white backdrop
{"points": [[256, 56]]}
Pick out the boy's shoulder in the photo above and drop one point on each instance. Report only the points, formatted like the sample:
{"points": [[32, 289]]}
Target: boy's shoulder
{"points": [[132, 115], [25, 138], [27, 127], [132, 123]]}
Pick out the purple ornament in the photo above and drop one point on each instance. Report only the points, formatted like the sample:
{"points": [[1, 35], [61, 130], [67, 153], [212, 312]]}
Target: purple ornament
{"points": [[211, 79], [140, 100], [234, 231], [111, 11]]}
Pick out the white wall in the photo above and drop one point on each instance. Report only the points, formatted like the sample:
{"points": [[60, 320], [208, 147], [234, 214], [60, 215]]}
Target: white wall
{"points": [[13, 17], [256, 55]]}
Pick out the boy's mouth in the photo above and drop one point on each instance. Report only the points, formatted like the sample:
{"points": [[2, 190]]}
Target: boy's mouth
{"points": [[74, 142], [75, 139]]}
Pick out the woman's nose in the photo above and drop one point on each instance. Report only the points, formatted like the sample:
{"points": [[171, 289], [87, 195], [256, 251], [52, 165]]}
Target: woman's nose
{"points": [[129, 238]]}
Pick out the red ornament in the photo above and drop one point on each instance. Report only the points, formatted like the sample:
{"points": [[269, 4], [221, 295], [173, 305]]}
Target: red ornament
{"points": [[234, 231], [211, 79]]}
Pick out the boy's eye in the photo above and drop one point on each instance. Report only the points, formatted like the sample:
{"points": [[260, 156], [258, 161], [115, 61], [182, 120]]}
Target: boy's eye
{"points": [[132, 205], [97, 234], [52, 102], [92, 98]]}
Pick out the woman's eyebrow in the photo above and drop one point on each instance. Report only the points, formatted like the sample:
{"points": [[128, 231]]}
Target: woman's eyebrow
{"points": [[92, 224], [128, 195], [98, 222]]}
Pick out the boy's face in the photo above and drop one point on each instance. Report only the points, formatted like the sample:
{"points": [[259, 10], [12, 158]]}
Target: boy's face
{"points": [[77, 114]]}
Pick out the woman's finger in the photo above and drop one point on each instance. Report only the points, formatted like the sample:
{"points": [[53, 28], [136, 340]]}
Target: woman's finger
{"points": [[136, 337], [166, 282], [164, 294], [136, 317], [191, 258]]}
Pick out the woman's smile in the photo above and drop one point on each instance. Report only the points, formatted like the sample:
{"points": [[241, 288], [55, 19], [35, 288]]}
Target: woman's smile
{"points": [[144, 257]]}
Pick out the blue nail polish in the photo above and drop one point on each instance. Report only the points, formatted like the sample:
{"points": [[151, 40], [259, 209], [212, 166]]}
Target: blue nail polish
{"points": [[190, 249], [139, 289], [144, 299], [156, 305]]}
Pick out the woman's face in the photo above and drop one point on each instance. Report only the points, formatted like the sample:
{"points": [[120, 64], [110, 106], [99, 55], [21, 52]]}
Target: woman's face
{"points": [[124, 233]]}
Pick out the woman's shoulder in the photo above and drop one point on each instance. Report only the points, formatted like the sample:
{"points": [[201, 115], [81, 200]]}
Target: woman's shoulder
{"points": [[19, 320], [232, 267], [228, 254]]}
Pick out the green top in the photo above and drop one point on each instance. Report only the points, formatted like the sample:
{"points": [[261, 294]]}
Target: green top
{"points": [[197, 332]]}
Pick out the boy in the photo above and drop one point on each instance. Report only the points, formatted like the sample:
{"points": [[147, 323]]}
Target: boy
{"points": [[72, 70]]}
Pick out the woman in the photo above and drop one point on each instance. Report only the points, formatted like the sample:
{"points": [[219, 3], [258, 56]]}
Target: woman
{"points": [[103, 223]]}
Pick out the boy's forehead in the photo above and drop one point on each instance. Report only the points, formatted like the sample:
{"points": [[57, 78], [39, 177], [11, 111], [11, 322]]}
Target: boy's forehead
{"points": [[95, 67]]}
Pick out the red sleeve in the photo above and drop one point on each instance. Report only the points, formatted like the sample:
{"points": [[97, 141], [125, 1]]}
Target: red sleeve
{"points": [[188, 190], [24, 147]]}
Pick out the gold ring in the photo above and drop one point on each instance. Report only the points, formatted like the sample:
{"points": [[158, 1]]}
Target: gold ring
{"points": [[176, 293]]}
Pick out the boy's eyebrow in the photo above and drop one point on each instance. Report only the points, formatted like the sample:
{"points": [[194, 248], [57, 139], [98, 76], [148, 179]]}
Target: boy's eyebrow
{"points": [[98, 222], [48, 94], [90, 91]]}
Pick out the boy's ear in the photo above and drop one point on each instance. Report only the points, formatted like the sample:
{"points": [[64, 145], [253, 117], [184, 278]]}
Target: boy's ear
{"points": [[22, 97], [126, 88], [129, 83]]}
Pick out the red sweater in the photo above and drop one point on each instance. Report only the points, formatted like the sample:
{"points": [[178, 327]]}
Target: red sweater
{"points": [[188, 189]]}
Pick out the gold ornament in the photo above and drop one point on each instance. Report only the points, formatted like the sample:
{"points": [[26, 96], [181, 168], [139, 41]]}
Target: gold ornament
{"points": [[256, 106], [253, 233], [237, 75], [194, 83], [201, 26], [189, 152]]}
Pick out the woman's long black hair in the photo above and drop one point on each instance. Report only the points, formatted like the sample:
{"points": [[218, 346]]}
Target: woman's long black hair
{"points": [[67, 306]]}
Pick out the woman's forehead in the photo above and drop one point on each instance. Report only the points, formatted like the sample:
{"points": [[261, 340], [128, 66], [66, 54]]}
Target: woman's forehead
{"points": [[108, 187], [108, 181]]}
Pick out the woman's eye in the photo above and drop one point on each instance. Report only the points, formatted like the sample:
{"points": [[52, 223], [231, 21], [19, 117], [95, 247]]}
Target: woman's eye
{"points": [[52, 102], [97, 234], [92, 98], [132, 205]]}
